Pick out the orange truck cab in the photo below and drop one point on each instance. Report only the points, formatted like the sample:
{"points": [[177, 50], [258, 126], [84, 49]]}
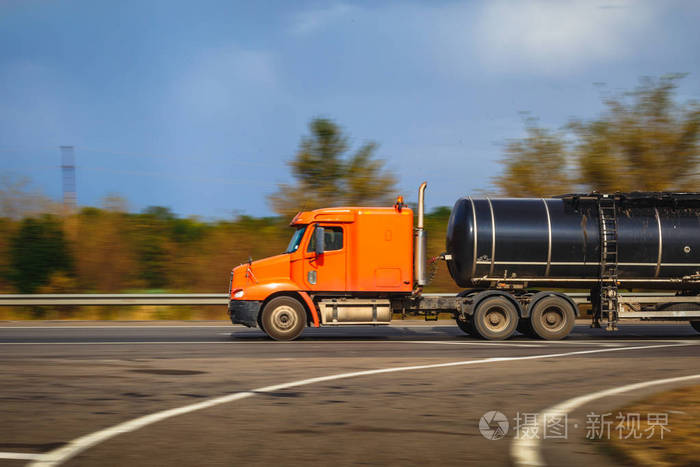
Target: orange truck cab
{"points": [[342, 266]]}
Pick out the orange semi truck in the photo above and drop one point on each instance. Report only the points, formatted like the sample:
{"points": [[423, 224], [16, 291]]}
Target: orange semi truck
{"points": [[360, 265]]}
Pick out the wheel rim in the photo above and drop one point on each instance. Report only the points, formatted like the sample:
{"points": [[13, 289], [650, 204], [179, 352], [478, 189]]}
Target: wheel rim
{"points": [[496, 319], [553, 319], [284, 318]]}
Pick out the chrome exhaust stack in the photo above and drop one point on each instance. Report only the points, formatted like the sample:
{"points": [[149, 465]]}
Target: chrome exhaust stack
{"points": [[420, 243]]}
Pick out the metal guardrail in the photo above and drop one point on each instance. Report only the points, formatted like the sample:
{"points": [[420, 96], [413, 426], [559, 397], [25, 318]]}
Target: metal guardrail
{"points": [[113, 299], [150, 299]]}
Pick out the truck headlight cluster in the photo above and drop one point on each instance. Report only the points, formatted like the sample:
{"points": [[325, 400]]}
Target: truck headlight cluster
{"points": [[238, 293]]}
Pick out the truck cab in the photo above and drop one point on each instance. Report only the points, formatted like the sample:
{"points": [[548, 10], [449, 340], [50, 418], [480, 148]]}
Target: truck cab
{"points": [[342, 266]]}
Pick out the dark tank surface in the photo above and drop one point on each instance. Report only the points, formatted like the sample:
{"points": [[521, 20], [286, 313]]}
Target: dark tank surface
{"points": [[557, 241]]}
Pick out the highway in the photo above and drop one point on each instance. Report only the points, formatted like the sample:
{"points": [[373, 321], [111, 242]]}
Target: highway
{"points": [[412, 393]]}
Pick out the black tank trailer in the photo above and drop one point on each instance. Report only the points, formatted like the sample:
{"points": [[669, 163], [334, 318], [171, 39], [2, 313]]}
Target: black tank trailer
{"points": [[653, 241], [507, 252]]}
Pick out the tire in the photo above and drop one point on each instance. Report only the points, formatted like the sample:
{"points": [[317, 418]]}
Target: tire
{"points": [[467, 327], [283, 318], [681, 307], [495, 318], [552, 318]]}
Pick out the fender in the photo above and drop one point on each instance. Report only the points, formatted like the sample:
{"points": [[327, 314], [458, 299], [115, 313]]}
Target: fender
{"points": [[312, 308], [540, 295], [481, 296]]}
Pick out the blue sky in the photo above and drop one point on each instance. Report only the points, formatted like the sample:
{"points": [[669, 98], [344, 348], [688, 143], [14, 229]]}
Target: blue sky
{"points": [[198, 105]]}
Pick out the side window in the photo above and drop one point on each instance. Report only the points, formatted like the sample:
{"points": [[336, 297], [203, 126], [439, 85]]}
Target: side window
{"points": [[332, 239]]}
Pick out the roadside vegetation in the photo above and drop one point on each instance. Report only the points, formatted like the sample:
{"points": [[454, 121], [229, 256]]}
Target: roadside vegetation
{"points": [[680, 444]]}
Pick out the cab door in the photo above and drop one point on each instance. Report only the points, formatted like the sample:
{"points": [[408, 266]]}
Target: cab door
{"points": [[326, 272]]}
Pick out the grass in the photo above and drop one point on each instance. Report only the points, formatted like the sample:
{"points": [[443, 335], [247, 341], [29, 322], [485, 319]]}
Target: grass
{"points": [[120, 313], [680, 445]]}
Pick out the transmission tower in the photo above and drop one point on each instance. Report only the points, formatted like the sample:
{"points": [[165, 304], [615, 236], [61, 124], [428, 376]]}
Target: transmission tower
{"points": [[68, 169]]}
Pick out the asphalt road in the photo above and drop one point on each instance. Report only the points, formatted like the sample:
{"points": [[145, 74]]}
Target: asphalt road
{"points": [[407, 394]]}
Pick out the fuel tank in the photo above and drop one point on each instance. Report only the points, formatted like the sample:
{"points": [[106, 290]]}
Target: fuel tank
{"points": [[557, 241]]}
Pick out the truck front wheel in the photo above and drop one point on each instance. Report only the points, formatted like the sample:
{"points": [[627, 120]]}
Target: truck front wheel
{"points": [[495, 318], [283, 318], [552, 318]]}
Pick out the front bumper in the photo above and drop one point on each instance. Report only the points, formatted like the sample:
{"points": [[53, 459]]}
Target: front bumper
{"points": [[244, 312]]}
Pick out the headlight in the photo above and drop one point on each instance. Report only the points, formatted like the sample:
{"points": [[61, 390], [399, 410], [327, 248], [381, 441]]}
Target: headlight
{"points": [[238, 293]]}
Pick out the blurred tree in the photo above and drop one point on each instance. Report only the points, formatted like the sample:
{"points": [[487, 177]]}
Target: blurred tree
{"points": [[115, 203], [152, 230], [643, 141], [325, 177], [37, 251], [17, 201], [6, 230], [535, 165], [104, 252]]}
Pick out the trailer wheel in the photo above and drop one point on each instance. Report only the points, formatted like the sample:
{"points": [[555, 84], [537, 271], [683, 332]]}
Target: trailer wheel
{"points": [[467, 327], [552, 318], [495, 318], [283, 318], [683, 307]]}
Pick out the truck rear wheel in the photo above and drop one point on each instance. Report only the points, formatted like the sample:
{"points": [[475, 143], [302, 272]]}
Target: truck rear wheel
{"points": [[283, 318], [552, 318], [495, 318], [683, 307]]}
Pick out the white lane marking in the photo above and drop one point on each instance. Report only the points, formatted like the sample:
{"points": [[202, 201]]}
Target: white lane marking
{"points": [[526, 452], [78, 445], [507, 344], [487, 344], [360, 340], [477, 343], [19, 455]]}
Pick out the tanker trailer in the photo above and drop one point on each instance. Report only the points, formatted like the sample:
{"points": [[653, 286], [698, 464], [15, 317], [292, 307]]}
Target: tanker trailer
{"points": [[510, 249]]}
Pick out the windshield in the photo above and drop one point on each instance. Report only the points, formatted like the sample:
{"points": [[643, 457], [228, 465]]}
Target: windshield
{"points": [[296, 239]]}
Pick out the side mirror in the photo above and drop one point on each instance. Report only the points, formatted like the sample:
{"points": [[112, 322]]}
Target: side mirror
{"points": [[319, 240]]}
